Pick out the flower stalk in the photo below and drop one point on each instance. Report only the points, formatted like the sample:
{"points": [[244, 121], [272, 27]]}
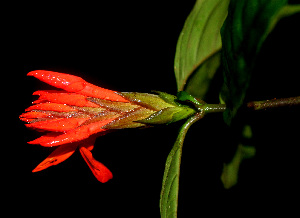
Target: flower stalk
{"points": [[255, 105]]}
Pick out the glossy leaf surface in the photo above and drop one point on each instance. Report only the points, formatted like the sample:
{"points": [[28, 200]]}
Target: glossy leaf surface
{"points": [[199, 40]]}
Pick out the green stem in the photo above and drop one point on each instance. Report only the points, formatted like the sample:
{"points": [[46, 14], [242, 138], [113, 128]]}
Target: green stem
{"points": [[183, 130], [214, 108], [257, 105]]}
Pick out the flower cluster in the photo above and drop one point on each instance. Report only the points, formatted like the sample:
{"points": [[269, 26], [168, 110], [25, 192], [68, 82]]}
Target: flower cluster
{"points": [[76, 115]]}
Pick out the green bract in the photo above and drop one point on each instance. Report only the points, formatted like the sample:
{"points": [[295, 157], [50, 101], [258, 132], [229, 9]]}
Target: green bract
{"points": [[169, 115], [168, 110], [150, 101]]}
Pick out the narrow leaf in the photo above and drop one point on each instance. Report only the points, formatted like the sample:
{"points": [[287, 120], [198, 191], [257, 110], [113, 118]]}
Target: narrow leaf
{"points": [[199, 40], [170, 185], [244, 151]]}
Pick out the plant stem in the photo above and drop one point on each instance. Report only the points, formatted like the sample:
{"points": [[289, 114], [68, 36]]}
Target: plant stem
{"points": [[257, 105], [281, 102], [214, 108]]}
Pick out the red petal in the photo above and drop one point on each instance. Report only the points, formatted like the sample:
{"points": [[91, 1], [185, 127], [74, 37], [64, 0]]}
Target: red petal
{"points": [[57, 156], [78, 134], [65, 98], [75, 135], [29, 116], [64, 81], [43, 92], [98, 92], [39, 101], [76, 84], [28, 120], [89, 143], [45, 138], [101, 172], [51, 107], [58, 125]]}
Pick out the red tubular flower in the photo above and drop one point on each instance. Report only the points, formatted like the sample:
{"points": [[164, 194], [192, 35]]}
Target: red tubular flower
{"points": [[71, 120], [74, 116]]}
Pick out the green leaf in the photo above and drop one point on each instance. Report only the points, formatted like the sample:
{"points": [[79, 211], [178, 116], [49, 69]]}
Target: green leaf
{"points": [[199, 40], [247, 25], [199, 82], [230, 172], [285, 11], [170, 185]]}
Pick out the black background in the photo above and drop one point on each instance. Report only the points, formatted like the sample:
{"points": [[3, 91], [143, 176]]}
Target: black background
{"points": [[131, 47]]}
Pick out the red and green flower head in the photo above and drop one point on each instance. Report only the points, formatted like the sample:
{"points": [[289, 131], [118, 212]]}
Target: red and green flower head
{"points": [[76, 115]]}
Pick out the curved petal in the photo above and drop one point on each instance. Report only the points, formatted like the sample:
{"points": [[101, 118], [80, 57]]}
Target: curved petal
{"points": [[58, 125], [98, 92], [45, 139], [64, 81], [77, 134], [101, 172], [33, 115], [51, 107], [57, 156], [64, 98], [75, 84]]}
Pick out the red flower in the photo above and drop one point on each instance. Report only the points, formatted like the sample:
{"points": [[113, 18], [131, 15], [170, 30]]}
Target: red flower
{"points": [[76, 116]]}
